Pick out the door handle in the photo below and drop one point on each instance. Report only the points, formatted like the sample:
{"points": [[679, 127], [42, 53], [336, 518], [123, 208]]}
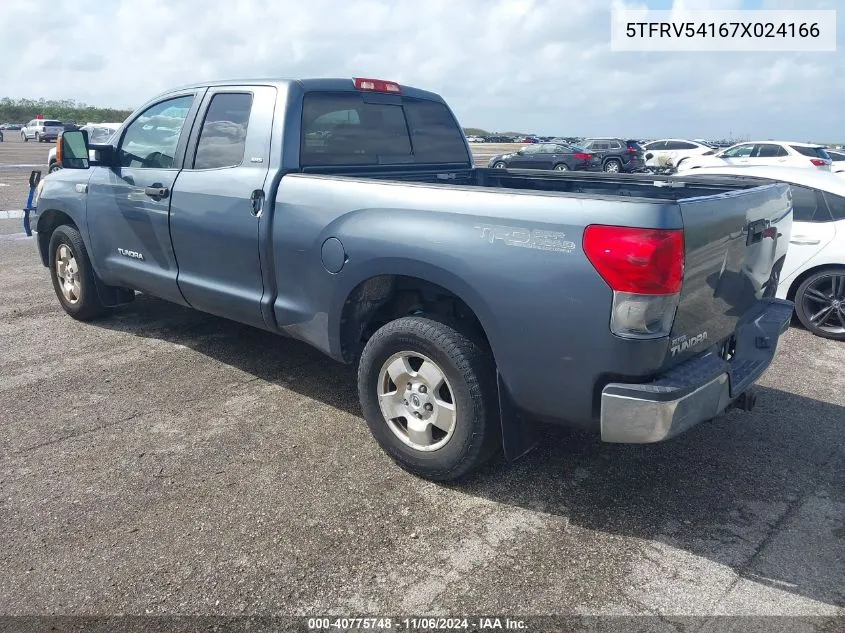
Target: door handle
{"points": [[157, 191], [257, 201], [800, 240]]}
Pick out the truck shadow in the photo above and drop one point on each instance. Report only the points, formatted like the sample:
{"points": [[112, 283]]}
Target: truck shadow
{"points": [[761, 493]]}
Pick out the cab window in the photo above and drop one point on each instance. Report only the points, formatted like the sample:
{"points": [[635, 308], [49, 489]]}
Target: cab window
{"points": [[150, 140], [223, 137]]}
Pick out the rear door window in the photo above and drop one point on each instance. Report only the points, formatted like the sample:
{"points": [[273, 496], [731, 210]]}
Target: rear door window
{"points": [[223, 137], [808, 206], [769, 150], [344, 129]]}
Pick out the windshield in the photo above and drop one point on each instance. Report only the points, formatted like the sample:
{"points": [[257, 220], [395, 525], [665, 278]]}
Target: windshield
{"points": [[346, 129]]}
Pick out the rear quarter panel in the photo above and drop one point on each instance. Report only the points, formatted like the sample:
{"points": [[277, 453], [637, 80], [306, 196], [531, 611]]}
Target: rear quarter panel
{"points": [[515, 258]]}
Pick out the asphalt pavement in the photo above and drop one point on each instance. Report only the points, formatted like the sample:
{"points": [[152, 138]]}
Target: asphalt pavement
{"points": [[164, 461]]}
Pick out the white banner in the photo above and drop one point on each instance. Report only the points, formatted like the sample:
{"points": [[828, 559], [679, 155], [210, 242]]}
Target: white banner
{"points": [[680, 29]]}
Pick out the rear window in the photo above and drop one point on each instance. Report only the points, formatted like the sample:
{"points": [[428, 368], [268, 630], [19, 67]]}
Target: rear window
{"points": [[813, 152], [634, 145], [343, 129], [50, 122]]}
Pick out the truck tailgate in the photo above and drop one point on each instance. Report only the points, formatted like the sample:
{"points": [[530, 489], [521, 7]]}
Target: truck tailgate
{"points": [[735, 245]]}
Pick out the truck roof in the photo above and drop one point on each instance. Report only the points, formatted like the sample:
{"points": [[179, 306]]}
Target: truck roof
{"points": [[338, 84]]}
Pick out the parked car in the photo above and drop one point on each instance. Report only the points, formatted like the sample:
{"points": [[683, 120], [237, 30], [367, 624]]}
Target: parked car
{"points": [[555, 156], [472, 300], [11, 127], [97, 133], [499, 139], [529, 139], [837, 161], [70, 126], [673, 151], [758, 153], [42, 130], [1, 136], [813, 275], [475, 139], [616, 154]]}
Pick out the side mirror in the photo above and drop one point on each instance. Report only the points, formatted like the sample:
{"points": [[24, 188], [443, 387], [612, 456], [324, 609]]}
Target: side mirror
{"points": [[72, 150]]}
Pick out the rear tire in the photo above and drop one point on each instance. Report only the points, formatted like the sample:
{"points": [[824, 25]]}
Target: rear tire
{"points": [[37, 137], [815, 297], [613, 166], [562, 167], [435, 366], [55, 166], [73, 276]]}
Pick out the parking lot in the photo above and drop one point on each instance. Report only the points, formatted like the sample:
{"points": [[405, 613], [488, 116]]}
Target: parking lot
{"points": [[165, 461]]}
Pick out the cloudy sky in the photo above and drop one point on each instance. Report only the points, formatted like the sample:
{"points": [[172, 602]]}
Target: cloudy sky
{"points": [[542, 66]]}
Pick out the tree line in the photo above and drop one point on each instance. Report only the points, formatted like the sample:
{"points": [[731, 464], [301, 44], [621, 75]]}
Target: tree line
{"points": [[24, 110]]}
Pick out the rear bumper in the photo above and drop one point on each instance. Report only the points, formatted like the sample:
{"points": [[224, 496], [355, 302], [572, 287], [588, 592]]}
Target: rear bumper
{"points": [[698, 389]]}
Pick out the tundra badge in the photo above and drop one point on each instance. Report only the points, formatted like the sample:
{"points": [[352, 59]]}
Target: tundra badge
{"points": [[683, 343], [132, 254]]}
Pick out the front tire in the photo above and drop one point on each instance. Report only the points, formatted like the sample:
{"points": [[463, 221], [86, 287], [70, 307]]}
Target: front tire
{"points": [[24, 137], [73, 276], [820, 303], [500, 165], [429, 396]]}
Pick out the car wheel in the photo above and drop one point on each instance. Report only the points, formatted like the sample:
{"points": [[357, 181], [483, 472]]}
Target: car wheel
{"points": [[613, 166], [55, 166], [37, 137], [500, 165], [73, 276], [820, 303], [24, 138], [429, 396], [561, 167]]}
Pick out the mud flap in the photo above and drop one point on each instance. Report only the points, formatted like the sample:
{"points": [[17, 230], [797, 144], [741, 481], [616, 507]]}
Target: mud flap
{"points": [[519, 434], [112, 296]]}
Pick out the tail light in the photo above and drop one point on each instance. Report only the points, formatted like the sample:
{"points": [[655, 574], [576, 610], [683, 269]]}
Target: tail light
{"points": [[818, 162], [377, 85], [581, 156], [633, 150], [645, 269]]}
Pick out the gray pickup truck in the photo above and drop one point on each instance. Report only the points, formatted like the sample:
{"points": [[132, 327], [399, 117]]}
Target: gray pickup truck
{"points": [[347, 213]]}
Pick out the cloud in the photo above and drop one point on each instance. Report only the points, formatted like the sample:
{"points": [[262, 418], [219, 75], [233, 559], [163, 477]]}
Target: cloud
{"points": [[541, 66]]}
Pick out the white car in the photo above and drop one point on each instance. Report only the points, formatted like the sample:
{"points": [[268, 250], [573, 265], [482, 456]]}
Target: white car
{"points": [[673, 151], [97, 133], [813, 273], [759, 153], [42, 130], [838, 164]]}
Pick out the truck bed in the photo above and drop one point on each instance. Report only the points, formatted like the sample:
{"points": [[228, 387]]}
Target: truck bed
{"points": [[593, 184]]}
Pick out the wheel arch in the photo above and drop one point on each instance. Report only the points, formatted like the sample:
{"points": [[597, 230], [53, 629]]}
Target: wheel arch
{"points": [[49, 221], [379, 298]]}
